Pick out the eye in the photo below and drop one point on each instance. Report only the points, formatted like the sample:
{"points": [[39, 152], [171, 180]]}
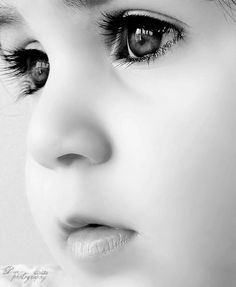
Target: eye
{"points": [[142, 41], [38, 71], [28, 67], [139, 36]]}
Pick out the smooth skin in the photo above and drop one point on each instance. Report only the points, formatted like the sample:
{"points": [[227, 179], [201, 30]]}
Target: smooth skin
{"points": [[151, 147]]}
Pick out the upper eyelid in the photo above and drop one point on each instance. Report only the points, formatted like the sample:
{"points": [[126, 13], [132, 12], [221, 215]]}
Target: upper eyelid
{"points": [[4, 53], [26, 41], [155, 15], [151, 14], [120, 14]]}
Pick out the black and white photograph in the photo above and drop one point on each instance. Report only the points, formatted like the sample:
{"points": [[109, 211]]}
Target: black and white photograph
{"points": [[117, 143]]}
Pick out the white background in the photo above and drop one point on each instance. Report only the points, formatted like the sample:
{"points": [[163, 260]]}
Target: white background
{"points": [[20, 241]]}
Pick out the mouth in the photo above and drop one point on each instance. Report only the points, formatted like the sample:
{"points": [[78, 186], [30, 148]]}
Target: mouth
{"points": [[93, 240], [76, 225], [93, 225]]}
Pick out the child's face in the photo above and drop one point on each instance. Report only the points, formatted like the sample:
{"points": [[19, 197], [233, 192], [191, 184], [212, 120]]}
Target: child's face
{"points": [[150, 147]]}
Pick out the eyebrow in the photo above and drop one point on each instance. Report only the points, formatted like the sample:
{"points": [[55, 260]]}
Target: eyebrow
{"points": [[9, 15], [85, 3]]}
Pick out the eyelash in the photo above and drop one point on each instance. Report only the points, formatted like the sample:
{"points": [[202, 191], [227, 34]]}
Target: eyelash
{"points": [[19, 66], [115, 30], [117, 24]]}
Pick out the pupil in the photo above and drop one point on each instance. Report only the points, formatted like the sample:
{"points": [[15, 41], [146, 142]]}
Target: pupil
{"points": [[143, 41], [40, 73]]}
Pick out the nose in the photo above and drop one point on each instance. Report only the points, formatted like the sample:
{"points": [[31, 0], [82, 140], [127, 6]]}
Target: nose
{"points": [[66, 126], [52, 147]]}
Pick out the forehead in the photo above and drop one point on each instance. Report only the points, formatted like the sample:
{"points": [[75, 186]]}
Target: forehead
{"points": [[84, 3]]}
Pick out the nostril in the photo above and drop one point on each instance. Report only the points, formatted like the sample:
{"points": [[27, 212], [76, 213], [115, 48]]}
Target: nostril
{"points": [[68, 159]]}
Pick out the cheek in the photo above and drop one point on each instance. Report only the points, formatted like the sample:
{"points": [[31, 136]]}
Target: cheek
{"points": [[37, 179], [183, 145], [178, 162]]}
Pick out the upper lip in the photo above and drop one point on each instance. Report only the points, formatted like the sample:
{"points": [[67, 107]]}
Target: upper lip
{"points": [[76, 222]]}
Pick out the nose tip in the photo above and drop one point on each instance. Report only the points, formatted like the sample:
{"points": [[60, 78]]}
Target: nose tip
{"points": [[51, 149]]}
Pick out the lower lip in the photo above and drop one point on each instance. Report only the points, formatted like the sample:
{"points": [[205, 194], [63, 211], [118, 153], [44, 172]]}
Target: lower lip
{"points": [[96, 242]]}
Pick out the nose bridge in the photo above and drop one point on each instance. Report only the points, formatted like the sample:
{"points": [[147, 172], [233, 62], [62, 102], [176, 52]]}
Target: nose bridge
{"points": [[64, 126], [80, 57], [82, 73]]}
